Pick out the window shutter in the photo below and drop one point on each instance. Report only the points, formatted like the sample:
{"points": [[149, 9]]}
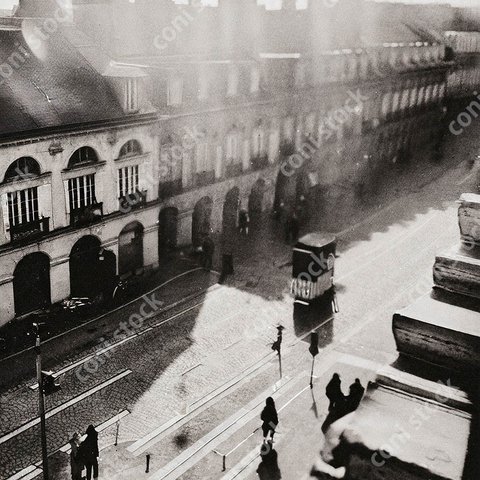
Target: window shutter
{"points": [[6, 221], [45, 201], [246, 155], [67, 196], [218, 162], [274, 145], [98, 179]]}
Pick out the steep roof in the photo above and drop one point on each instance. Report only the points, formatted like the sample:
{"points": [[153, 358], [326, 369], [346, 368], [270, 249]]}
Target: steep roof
{"points": [[49, 83]]}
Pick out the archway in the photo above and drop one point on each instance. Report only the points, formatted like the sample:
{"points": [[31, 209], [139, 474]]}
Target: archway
{"points": [[167, 230], [31, 283], [92, 269], [202, 214], [255, 200], [130, 248], [230, 216]]}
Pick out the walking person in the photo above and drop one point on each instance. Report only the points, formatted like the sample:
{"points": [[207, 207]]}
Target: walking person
{"points": [[208, 248], [292, 228], [89, 452], [269, 418], [76, 461], [243, 222], [355, 395], [334, 393]]}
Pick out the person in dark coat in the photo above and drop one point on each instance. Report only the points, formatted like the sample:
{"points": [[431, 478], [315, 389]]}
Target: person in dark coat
{"points": [[89, 452], [269, 418], [355, 395], [292, 227], [76, 461], [334, 392], [243, 222], [208, 248]]}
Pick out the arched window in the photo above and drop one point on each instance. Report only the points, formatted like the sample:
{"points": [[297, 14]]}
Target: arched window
{"points": [[21, 169], [83, 156], [130, 149]]}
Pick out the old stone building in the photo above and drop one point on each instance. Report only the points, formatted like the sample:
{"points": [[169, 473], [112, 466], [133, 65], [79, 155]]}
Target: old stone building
{"points": [[134, 127]]}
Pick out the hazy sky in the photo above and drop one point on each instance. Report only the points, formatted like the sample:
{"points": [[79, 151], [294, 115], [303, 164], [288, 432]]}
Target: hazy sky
{"points": [[469, 3]]}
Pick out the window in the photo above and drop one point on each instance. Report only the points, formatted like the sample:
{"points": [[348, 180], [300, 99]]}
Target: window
{"points": [[21, 169], [23, 206], [428, 92], [175, 91], [232, 81], [421, 92], [127, 181], [254, 80], [395, 101], [130, 149], [404, 101], [288, 130], [201, 157], [413, 97], [131, 95], [259, 143], [83, 156], [81, 192], [232, 147], [386, 103]]}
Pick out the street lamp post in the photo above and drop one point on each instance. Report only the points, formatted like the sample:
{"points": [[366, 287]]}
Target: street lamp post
{"points": [[41, 402]]}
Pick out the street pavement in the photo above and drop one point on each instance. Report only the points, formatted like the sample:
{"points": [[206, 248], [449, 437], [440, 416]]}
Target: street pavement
{"points": [[188, 386]]}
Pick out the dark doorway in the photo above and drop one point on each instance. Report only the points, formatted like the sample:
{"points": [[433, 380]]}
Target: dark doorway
{"points": [[255, 200], [167, 230], [31, 283], [230, 216], [92, 270], [202, 214], [130, 249]]}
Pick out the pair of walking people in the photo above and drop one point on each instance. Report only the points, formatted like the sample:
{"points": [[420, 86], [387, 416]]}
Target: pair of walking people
{"points": [[341, 404], [84, 454]]}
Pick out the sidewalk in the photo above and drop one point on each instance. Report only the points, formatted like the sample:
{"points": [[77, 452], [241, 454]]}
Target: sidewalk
{"points": [[168, 287]]}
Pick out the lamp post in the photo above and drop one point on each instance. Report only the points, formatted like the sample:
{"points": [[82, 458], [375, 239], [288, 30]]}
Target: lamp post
{"points": [[41, 402]]}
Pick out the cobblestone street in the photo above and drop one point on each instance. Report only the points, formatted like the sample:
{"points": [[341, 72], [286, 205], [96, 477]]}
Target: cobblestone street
{"points": [[193, 367]]}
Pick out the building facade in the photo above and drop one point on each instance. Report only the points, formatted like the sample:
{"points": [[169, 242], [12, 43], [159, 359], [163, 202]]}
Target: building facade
{"points": [[114, 159]]}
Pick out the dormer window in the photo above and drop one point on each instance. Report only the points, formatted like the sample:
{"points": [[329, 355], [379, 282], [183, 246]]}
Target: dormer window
{"points": [[175, 90], [131, 95], [232, 81]]}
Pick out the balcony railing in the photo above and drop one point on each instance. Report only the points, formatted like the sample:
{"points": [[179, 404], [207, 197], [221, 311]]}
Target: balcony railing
{"points": [[259, 162], [204, 178], [233, 169], [287, 148], [33, 229], [170, 189], [132, 201], [86, 215]]}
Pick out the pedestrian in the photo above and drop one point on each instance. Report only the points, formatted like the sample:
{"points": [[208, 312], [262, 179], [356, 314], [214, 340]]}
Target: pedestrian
{"points": [[89, 452], [291, 228], [334, 393], [243, 221], [76, 461], [208, 248], [355, 396], [269, 418]]}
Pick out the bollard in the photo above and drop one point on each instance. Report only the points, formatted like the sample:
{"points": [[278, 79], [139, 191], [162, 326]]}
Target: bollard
{"points": [[224, 463], [148, 463], [116, 433]]}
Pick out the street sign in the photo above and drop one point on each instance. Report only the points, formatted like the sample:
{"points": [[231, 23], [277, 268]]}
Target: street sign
{"points": [[313, 349]]}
